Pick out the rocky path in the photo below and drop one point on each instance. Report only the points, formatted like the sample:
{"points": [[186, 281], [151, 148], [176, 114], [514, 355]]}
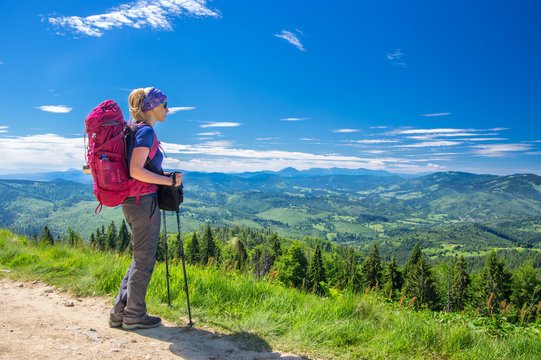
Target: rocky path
{"points": [[39, 322]]}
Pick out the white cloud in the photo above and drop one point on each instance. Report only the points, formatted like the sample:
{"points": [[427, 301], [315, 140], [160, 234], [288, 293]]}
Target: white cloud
{"points": [[345, 130], [438, 114], [267, 139], [372, 141], [3, 129], [378, 127], [213, 133], [220, 124], [291, 38], [433, 131], [59, 109], [173, 110], [431, 144], [47, 152], [308, 139], [499, 150], [154, 13], [51, 152], [294, 119]]}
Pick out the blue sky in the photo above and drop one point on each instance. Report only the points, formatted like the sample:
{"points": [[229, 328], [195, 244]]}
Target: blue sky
{"points": [[401, 86]]}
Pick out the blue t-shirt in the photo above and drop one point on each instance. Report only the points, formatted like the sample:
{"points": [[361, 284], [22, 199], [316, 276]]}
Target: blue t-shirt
{"points": [[144, 138]]}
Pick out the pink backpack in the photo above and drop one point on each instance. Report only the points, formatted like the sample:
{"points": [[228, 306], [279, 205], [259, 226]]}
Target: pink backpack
{"points": [[110, 141]]}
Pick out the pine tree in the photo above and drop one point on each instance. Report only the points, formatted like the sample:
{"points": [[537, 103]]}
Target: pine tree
{"points": [[413, 259], [460, 292], [192, 253], [316, 272], [100, 238], [292, 266], [392, 279], [371, 269], [73, 238], [208, 247], [92, 240], [240, 256], [111, 237], [46, 236], [494, 283], [123, 238], [256, 260], [350, 275], [276, 248], [421, 284]]}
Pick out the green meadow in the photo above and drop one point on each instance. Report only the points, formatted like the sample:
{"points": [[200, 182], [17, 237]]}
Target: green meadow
{"points": [[340, 326]]}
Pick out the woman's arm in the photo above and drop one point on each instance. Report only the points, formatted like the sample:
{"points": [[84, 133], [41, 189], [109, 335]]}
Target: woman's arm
{"points": [[138, 171]]}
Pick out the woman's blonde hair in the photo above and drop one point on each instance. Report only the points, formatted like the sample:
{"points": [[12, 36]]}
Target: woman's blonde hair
{"points": [[135, 100]]}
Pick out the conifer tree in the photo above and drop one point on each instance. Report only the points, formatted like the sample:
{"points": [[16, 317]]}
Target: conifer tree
{"points": [[92, 240], [494, 279], [100, 238], [371, 269], [292, 266], [73, 238], [392, 278], [46, 236], [413, 259], [208, 247], [460, 292], [192, 253], [111, 237], [240, 256], [276, 248], [420, 283], [349, 275], [316, 272], [123, 238]]}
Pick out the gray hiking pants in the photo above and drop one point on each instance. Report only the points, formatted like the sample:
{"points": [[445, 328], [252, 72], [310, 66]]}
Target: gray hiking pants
{"points": [[144, 222]]}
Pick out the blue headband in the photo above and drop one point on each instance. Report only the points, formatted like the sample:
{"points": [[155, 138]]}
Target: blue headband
{"points": [[154, 98]]}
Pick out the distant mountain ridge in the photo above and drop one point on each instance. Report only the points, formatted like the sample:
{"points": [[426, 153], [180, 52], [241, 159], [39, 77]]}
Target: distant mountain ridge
{"points": [[78, 176]]}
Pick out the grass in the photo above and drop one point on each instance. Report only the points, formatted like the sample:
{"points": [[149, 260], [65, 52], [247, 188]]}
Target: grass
{"points": [[349, 326]]}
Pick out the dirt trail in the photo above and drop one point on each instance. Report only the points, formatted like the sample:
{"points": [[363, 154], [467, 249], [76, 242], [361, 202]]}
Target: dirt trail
{"points": [[39, 322]]}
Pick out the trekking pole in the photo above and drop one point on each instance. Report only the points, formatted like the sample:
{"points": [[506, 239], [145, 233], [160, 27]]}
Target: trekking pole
{"points": [[166, 259], [181, 246]]}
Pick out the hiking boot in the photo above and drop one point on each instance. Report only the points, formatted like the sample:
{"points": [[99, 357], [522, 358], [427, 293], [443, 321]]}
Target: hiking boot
{"points": [[115, 324], [146, 323]]}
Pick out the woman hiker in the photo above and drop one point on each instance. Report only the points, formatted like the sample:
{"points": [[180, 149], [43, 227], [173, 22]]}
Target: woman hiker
{"points": [[148, 106]]}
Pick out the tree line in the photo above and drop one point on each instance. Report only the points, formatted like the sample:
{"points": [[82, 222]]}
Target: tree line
{"points": [[325, 268]]}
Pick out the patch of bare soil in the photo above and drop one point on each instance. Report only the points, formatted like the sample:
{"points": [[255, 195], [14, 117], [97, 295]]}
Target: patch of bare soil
{"points": [[39, 322]]}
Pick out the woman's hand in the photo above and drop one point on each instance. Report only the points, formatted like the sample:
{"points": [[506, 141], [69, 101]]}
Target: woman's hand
{"points": [[178, 178]]}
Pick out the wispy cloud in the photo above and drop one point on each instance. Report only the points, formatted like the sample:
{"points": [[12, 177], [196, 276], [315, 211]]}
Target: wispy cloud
{"points": [[372, 141], [499, 150], [173, 110], [267, 139], [59, 109], [396, 57], [213, 133], [1, 63], [4, 129], [154, 13], [346, 130], [431, 144], [438, 114], [220, 124], [294, 119], [378, 127], [291, 38]]}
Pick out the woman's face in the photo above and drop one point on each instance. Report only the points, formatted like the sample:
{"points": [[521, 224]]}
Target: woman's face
{"points": [[161, 111]]}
